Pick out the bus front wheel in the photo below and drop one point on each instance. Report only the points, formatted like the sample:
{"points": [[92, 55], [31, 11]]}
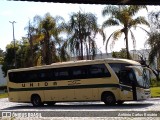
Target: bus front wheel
{"points": [[108, 99], [36, 100]]}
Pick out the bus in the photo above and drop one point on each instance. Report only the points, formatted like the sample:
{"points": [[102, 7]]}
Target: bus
{"points": [[110, 80]]}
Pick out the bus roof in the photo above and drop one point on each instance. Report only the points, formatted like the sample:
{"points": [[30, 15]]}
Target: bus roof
{"points": [[74, 63]]}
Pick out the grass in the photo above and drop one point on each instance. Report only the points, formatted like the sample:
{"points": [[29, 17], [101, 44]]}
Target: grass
{"points": [[3, 95], [155, 91]]}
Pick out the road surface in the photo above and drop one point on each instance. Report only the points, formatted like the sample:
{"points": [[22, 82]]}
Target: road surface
{"points": [[141, 110]]}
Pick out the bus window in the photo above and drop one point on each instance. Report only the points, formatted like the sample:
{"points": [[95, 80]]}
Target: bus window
{"points": [[79, 72], [122, 72], [99, 70], [61, 74]]}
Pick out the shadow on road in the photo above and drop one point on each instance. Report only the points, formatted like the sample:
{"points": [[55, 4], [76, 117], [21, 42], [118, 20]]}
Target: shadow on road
{"points": [[88, 106]]}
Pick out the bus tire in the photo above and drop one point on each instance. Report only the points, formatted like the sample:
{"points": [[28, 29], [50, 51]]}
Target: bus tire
{"points": [[51, 103], [108, 98], [36, 100], [120, 102]]}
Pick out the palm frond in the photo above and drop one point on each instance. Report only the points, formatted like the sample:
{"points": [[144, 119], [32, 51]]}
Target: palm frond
{"points": [[134, 9], [133, 40], [139, 20], [106, 46], [116, 35], [110, 22], [144, 30], [110, 10]]}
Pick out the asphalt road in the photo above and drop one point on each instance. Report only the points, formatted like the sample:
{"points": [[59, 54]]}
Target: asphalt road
{"points": [[80, 110]]}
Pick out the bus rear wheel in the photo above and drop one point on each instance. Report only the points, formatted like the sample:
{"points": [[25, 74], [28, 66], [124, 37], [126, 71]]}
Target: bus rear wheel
{"points": [[36, 100], [108, 99]]}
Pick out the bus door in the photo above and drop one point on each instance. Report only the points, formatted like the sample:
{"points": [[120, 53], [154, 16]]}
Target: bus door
{"points": [[127, 89], [142, 79], [139, 80], [127, 85]]}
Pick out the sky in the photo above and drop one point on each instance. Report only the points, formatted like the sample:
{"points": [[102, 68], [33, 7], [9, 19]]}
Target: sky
{"points": [[21, 12]]}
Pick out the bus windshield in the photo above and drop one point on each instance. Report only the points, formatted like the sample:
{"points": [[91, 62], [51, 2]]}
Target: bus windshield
{"points": [[143, 79]]}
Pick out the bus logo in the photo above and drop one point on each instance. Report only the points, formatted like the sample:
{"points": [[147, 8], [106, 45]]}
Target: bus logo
{"points": [[6, 115]]}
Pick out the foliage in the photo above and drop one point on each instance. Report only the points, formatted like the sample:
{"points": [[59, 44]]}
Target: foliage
{"points": [[1, 56], [123, 16], [82, 29], [154, 42], [121, 54], [154, 18], [47, 34], [9, 62], [154, 39], [43, 44]]}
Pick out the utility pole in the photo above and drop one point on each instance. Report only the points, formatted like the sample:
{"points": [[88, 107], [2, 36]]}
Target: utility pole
{"points": [[15, 61]]}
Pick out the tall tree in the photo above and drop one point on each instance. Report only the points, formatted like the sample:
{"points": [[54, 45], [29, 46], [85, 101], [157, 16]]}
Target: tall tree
{"points": [[154, 38], [9, 57], [30, 37], [82, 30], [154, 42], [124, 16], [48, 30]]}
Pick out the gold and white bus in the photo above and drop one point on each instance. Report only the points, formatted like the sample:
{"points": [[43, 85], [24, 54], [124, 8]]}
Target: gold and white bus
{"points": [[109, 80]]}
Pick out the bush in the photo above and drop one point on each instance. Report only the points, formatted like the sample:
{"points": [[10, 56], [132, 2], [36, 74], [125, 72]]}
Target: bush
{"points": [[153, 82], [158, 83]]}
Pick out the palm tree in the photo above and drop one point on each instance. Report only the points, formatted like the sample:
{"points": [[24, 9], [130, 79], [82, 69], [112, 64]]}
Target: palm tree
{"points": [[48, 31], [30, 36], [123, 16], [82, 29], [154, 43]]}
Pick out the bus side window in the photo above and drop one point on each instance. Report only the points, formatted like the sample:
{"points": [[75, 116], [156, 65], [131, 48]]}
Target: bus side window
{"points": [[79, 72], [61, 74], [12, 77], [42, 76], [99, 70]]}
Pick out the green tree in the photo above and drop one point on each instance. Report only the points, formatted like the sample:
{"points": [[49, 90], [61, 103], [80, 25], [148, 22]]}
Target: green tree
{"points": [[48, 30], [124, 16], [154, 43], [31, 32], [1, 56], [82, 30], [9, 62]]}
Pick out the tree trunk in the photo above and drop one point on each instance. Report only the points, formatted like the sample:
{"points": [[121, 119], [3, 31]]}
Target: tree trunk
{"points": [[48, 61], [126, 38]]}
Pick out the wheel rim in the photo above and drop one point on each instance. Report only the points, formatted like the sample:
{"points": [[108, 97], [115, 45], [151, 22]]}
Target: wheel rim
{"points": [[109, 99], [36, 101]]}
